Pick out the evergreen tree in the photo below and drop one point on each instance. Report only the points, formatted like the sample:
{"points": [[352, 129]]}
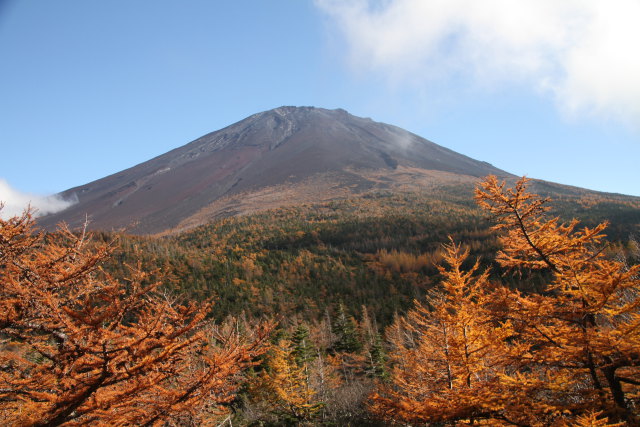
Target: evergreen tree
{"points": [[345, 330], [303, 350], [377, 359]]}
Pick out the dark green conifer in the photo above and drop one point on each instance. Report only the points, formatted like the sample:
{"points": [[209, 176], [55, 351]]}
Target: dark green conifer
{"points": [[377, 359], [303, 350], [345, 330]]}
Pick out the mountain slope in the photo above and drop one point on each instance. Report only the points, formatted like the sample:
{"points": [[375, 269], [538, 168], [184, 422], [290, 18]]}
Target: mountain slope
{"points": [[291, 153]]}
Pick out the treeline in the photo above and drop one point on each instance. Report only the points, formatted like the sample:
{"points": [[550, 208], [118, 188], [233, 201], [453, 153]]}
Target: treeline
{"points": [[306, 260], [379, 250], [347, 313]]}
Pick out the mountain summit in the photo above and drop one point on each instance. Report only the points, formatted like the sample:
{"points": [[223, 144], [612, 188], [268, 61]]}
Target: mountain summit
{"points": [[282, 156]]}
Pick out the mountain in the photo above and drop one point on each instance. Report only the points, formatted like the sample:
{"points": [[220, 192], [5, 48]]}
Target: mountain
{"points": [[284, 156]]}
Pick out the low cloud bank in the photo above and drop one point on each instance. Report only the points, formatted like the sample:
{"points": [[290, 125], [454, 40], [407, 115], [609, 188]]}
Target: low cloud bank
{"points": [[16, 202], [582, 52]]}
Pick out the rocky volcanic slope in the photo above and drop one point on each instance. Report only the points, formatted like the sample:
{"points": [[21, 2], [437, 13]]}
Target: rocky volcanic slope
{"points": [[283, 156]]}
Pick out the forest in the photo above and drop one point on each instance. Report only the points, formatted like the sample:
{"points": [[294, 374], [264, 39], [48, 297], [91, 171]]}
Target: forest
{"points": [[385, 309]]}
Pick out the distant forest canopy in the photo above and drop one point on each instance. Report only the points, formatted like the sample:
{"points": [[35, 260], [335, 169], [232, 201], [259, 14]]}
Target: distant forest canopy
{"points": [[380, 250]]}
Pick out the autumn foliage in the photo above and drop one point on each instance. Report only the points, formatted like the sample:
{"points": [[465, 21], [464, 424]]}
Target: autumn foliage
{"points": [[79, 347], [285, 384], [478, 351], [549, 336]]}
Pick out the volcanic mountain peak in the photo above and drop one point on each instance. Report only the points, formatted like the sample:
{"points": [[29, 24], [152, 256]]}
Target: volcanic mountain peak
{"points": [[267, 128], [333, 151]]}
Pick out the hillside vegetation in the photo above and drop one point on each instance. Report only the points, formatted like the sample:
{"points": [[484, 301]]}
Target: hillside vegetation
{"points": [[386, 309], [379, 250]]}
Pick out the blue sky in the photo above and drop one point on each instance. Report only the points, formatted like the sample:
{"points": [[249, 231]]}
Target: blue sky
{"points": [[88, 88]]}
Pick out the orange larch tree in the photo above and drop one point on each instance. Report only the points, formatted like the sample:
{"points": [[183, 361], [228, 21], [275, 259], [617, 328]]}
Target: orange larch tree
{"points": [[79, 347], [447, 365], [481, 352], [586, 325], [285, 386]]}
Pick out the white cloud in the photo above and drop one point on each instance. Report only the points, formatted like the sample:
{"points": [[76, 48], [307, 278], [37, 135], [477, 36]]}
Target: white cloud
{"points": [[16, 202], [582, 52]]}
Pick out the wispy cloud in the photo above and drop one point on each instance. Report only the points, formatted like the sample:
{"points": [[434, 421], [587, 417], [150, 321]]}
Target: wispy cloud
{"points": [[581, 52], [16, 202]]}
